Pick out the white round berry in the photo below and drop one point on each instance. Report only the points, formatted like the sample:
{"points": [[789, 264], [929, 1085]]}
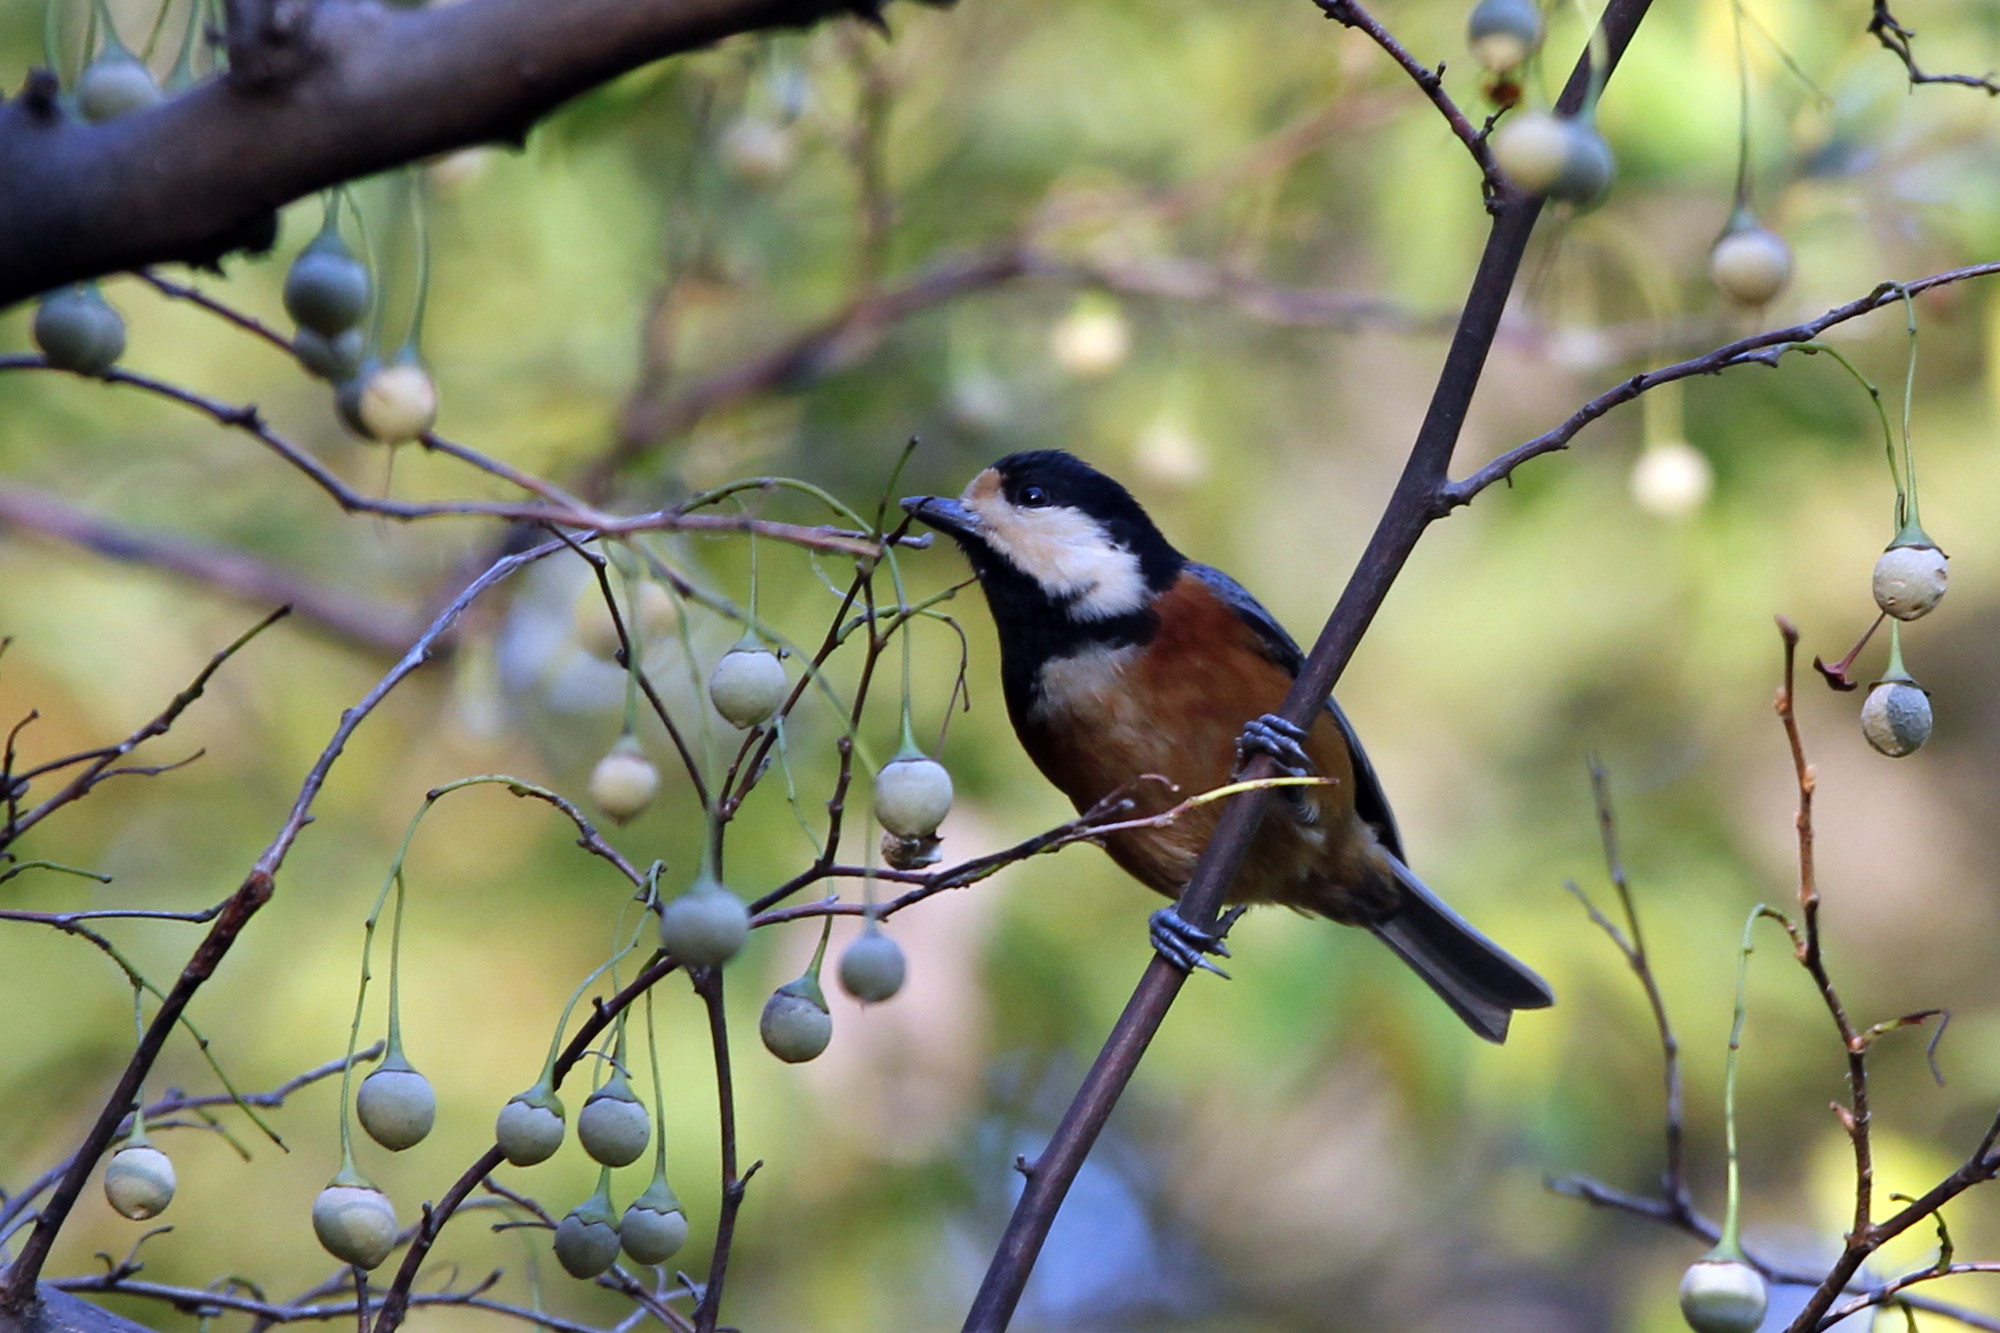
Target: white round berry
{"points": [[1723, 1296], [748, 686], [139, 1181], [1750, 265], [624, 782], [1910, 580], [356, 1224], [530, 1127], [912, 796], [397, 1107]]}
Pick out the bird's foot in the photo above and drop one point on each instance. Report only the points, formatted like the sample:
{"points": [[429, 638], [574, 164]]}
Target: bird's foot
{"points": [[1284, 743], [1184, 945]]}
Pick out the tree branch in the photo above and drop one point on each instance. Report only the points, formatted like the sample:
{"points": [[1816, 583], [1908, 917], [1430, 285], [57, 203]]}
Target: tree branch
{"points": [[1884, 28], [1759, 349], [1411, 509], [318, 94], [374, 628]]}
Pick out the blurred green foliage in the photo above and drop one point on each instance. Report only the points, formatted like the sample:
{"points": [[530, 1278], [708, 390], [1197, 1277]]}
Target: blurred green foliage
{"points": [[1316, 1145]]}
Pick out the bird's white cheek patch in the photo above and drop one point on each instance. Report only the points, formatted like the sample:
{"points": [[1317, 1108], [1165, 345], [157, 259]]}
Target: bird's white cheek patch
{"points": [[1064, 550]]}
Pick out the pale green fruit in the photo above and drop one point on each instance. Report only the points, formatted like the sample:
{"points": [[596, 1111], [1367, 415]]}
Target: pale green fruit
{"points": [[396, 403], [1723, 1296], [795, 1024], [654, 1227], [587, 1239], [327, 288], [912, 796], [1910, 580], [871, 968], [115, 84], [139, 1181], [1750, 265], [530, 1127], [1563, 158], [1672, 479], [356, 1224], [1503, 33], [1896, 717], [706, 926], [612, 1126], [624, 782], [77, 330], [336, 359], [396, 1106], [748, 686]]}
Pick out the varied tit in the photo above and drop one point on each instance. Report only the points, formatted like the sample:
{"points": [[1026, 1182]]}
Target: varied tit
{"points": [[1121, 658]]}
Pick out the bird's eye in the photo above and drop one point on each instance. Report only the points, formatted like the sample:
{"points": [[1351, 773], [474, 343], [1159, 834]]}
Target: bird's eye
{"points": [[1033, 497]]}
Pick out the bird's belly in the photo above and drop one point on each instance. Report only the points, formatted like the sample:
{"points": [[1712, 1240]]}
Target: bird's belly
{"points": [[1096, 730]]}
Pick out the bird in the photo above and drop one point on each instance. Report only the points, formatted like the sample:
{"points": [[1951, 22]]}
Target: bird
{"points": [[1124, 662]]}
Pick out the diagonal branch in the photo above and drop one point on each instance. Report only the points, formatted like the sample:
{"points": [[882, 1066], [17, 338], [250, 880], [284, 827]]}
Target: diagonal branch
{"points": [[1412, 507]]}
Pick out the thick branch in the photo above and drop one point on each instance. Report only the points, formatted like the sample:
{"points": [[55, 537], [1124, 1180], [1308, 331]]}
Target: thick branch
{"points": [[321, 94]]}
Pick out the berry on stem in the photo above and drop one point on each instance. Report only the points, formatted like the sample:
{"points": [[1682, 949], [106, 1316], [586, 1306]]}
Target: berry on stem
{"points": [[77, 330], [530, 1127]]}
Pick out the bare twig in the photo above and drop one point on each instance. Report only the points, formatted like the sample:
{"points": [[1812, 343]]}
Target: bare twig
{"points": [[373, 627], [251, 421], [97, 765], [1759, 349], [1885, 28], [1431, 82]]}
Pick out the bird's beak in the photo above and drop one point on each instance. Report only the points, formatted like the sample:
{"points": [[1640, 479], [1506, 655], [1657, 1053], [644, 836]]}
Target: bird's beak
{"points": [[946, 515]]}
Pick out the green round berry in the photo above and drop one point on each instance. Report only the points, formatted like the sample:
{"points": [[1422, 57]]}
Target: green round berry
{"points": [[77, 330], [748, 686], [327, 288], [115, 84], [706, 926], [795, 1024], [530, 1127], [612, 1126], [396, 1106], [1723, 1296], [872, 967]]}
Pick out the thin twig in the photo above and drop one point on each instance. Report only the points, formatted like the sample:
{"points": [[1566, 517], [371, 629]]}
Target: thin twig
{"points": [[1759, 349], [1885, 28], [1431, 82]]}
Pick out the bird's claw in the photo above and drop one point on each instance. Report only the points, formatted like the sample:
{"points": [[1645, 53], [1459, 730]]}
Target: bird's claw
{"points": [[1278, 739], [1184, 945]]}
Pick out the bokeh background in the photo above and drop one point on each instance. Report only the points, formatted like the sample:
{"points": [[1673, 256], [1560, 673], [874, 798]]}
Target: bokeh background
{"points": [[1249, 234]]}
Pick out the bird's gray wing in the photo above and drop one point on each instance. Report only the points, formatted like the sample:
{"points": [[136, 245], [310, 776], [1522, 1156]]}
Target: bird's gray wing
{"points": [[1370, 802]]}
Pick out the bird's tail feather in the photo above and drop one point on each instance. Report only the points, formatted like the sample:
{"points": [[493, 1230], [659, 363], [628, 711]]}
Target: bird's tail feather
{"points": [[1482, 982]]}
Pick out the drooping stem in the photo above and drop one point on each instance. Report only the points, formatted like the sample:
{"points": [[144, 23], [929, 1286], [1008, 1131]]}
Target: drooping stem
{"points": [[1742, 113]]}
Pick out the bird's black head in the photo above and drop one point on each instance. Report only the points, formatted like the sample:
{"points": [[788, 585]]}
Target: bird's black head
{"points": [[1049, 534]]}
